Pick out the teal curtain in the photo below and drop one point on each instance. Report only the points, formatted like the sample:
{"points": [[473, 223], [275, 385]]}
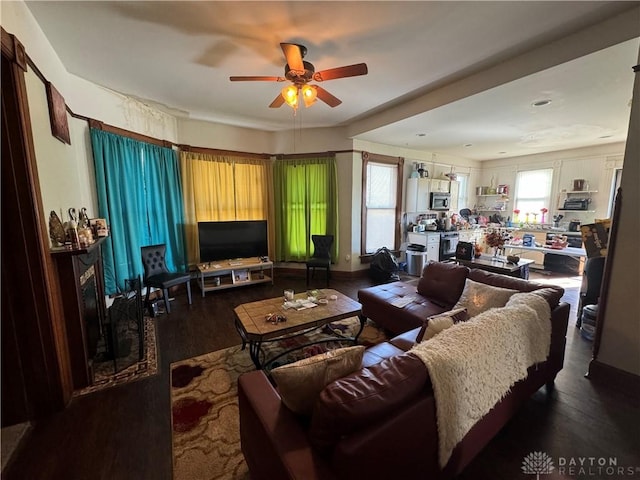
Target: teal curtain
{"points": [[140, 195], [306, 200]]}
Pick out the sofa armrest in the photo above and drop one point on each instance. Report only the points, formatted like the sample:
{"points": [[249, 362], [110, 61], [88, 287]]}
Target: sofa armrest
{"points": [[559, 322], [274, 442]]}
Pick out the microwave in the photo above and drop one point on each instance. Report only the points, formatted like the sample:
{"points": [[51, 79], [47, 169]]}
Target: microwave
{"points": [[440, 201]]}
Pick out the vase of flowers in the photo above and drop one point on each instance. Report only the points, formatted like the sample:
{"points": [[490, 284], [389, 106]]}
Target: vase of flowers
{"points": [[543, 211], [496, 240]]}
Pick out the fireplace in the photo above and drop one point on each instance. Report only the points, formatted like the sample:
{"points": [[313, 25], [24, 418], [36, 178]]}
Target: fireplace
{"points": [[81, 280]]}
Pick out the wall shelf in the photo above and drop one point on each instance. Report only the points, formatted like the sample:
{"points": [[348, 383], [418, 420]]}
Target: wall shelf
{"points": [[575, 211]]}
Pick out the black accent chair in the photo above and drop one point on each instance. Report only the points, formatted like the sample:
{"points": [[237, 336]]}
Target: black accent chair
{"points": [[157, 275], [321, 257]]}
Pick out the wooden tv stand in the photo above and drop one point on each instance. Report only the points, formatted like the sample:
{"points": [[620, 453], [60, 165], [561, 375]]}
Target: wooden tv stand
{"points": [[222, 274]]}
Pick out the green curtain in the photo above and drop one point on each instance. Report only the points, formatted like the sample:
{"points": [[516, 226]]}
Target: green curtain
{"points": [[306, 204]]}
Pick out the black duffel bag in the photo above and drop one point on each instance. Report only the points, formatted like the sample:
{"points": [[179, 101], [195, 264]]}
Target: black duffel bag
{"points": [[384, 266]]}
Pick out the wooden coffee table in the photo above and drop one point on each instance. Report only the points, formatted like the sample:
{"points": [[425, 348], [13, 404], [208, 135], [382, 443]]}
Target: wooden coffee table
{"points": [[255, 330]]}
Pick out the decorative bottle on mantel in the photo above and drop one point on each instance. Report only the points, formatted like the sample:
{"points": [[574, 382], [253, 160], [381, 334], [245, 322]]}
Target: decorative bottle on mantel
{"points": [[72, 232]]}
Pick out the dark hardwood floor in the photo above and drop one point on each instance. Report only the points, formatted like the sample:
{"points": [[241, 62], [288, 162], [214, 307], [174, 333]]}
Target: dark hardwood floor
{"points": [[124, 432]]}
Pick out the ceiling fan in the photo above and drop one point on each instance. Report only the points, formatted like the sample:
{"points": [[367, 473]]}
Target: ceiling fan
{"points": [[300, 73]]}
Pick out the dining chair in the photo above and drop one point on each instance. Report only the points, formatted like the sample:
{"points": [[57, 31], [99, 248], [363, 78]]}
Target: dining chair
{"points": [[321, 257], [157, 275]]}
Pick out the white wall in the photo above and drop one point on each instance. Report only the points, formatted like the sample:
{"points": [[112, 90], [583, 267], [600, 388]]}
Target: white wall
{"points": [[595, 164], [311, 140], [620, 341], [198, 133], [66, 172], [64, 182]]}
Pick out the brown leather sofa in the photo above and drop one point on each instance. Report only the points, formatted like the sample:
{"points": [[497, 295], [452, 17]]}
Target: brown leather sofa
{"points": [[380, 422]]}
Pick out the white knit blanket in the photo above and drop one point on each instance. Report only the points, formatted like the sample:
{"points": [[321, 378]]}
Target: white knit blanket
{"points": [[474, 364]]}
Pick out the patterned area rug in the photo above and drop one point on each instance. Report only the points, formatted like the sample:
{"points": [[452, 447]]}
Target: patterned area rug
{"points": [[106, 377], [206, 435]]}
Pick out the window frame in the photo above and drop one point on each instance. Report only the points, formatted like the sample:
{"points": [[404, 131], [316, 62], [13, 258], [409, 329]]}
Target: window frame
{"points": [[399, 163], [548, 197]]}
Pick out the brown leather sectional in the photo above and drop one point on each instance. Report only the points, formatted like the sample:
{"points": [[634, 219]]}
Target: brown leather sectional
{"points": [[380, 422]]}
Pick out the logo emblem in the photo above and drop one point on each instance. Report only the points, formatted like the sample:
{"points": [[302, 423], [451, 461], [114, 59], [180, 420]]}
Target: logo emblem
{"points": [[537, 463]]}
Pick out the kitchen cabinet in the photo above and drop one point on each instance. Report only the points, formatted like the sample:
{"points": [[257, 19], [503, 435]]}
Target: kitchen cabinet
{"points": [[440, 185], [430, 240], [417, 195], [433, 247]]}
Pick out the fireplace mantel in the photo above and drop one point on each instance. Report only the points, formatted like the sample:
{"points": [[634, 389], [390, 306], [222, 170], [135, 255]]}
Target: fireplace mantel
{"points": [[81, 279]]}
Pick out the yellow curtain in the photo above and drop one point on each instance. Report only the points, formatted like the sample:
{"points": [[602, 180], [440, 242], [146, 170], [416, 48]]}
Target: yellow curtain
{"points": [[222, 187]]}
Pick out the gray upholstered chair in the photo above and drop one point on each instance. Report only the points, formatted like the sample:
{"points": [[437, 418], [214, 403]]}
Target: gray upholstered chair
{"points": [[321, 257], [157, 275]]}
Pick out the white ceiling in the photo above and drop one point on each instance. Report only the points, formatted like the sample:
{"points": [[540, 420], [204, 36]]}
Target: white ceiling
{"points": [[179, 56]]}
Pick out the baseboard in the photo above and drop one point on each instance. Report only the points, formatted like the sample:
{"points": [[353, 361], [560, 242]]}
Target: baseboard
{"points": [[301, 272], [613, 377]]}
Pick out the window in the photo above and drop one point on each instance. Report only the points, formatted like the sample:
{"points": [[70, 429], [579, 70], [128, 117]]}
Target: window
{"points": [[533, 192], [222, 187], [463, 191], [382, 191], [306, 199]]}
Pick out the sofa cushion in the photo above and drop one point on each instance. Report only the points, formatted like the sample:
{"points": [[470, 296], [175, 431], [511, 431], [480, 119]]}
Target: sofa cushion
{"points": [[552, 293], [442, 283], [356, 401], [478, 297], [437, 323], [300, 383], [378, 305], [380, 352], [405, 341]]}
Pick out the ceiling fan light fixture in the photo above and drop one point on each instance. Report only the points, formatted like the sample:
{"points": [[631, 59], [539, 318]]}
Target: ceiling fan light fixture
{"points": [[309, 95], [290, 95]]}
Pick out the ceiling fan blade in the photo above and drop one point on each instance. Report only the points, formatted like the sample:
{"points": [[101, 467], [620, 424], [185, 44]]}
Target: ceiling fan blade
{"points": [[293, 54], [341, 72], [326, 97], [277, 102], [257, 79]]}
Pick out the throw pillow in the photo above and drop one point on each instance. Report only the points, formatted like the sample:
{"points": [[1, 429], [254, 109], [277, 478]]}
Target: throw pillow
{"points": [[301, 382], [479, 297], [436, 323]]}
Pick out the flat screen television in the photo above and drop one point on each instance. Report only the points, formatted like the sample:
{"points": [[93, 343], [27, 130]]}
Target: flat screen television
{"points": [[233, 239]]}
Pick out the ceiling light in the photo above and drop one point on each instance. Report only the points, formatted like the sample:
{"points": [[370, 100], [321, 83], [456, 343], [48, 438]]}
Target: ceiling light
{"points": [[290, 95], [541, 103], [309, 94]]}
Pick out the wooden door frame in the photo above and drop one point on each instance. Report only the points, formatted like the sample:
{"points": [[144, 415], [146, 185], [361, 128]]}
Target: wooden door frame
{"points": [[33, 292]]}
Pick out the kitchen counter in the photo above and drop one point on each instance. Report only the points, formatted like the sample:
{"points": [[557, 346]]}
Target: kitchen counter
{"points": [[567, 251]]}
